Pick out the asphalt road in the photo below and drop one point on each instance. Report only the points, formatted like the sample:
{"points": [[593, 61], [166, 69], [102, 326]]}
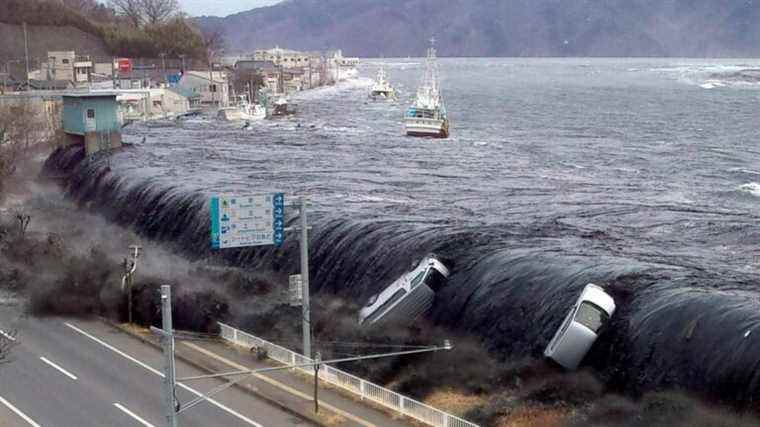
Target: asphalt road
{"points": [[73, 373]]}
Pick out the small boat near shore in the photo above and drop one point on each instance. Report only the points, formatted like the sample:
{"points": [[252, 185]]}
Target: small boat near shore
{"points": [[427, 116], [243, 111]]}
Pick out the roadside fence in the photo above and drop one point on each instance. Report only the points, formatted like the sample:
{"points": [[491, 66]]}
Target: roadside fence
{"points": [[363, 389]]}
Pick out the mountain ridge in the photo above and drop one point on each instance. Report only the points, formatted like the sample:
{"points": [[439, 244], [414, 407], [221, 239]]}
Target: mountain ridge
{"points": [[372, 28]]}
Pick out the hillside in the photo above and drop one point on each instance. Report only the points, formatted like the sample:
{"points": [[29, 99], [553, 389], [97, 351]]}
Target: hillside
{"points": [[98, 31], [45, 38], [693, 28]]}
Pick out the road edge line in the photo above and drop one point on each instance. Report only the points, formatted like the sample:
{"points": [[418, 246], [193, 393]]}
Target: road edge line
{"points": [[18, 412], [205, 369]]}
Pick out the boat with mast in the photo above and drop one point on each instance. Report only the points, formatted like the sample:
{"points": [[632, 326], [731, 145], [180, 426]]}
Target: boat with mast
{"points": [[382, 89], [427, 116]]}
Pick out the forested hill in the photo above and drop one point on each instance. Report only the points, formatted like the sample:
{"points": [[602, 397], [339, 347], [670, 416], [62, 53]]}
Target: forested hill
{"points": [[693, 28], [93, 28]]}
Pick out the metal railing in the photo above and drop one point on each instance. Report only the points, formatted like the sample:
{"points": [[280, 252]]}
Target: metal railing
{"points": [[365, 390]]}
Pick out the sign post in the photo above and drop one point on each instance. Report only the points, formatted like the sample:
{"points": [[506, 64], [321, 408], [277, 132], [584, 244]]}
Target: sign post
{"points": [[259, 220]]}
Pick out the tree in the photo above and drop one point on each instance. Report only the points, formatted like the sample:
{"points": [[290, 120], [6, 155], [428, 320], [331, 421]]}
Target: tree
{"points": [[21, 127], [146, 12], [159, 11], [130, 10]]}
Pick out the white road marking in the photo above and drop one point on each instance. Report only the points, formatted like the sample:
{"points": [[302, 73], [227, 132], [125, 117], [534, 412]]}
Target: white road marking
{"points": [[63, 371], [133, 415], [148, 368], [18, 412], [8, 336], [280, 385]]}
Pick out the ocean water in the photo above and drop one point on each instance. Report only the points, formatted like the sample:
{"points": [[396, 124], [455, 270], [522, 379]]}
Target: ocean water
{"points": [[641, 175]]}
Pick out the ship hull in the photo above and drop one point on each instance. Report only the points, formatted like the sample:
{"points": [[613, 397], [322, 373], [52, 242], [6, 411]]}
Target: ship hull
{"points": [[430, 128], [382, 95]]}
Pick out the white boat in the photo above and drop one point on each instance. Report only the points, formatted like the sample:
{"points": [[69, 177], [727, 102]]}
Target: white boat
{"points": [[382, 89], [243, 111], [427, 116]]}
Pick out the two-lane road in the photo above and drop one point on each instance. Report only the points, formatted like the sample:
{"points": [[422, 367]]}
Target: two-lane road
{"points": [[85, 373]]}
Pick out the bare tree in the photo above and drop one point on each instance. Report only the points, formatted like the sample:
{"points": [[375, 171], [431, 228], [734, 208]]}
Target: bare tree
{"points": [[131, 10], [21, 127], [159, 11], [143, 12], [213, 43]]}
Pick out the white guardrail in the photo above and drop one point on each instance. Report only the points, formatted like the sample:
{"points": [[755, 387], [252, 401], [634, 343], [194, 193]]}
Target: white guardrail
{"points": [[361, 388]]}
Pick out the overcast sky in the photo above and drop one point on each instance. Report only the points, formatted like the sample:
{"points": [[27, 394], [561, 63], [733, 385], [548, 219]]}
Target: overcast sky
{"points": [[221, 7]]}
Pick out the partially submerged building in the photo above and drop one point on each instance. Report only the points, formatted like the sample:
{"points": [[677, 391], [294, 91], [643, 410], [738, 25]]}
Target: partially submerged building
{"points": [[92, 119], [212, 87]]}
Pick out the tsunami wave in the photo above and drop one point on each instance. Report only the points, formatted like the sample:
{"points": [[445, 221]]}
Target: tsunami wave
{"points": [[678, 324]]}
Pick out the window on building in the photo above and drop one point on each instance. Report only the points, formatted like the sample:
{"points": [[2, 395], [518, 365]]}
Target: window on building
{"points": [[65, 61], [212, 88], [90, 113]]}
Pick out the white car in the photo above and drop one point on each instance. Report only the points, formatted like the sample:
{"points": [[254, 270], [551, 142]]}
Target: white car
{"points": [[409, 297], [581, 327]]}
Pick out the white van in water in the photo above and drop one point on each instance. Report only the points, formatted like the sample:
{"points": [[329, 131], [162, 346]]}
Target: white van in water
{"points": [[581, 327], [409, 297]]}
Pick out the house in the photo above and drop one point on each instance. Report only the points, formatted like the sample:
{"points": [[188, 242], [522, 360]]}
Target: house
{"points": [[92, 119], [213, 87], [193, 99], [59, 65]]}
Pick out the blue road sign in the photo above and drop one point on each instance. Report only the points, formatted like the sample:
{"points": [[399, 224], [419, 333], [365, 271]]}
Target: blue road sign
{"points": [[241, 221]]}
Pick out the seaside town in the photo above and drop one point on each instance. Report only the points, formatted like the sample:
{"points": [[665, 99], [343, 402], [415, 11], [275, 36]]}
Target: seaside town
{"points": [[397, 213], [171, 88]]}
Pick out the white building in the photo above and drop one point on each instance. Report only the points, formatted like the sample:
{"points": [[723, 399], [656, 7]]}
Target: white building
{"points": [[65, 65], [213, 88], [285, 58]]}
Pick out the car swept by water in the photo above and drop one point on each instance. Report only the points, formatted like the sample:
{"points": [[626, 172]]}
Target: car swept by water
{"points": [[581, 327], [409, 297]]}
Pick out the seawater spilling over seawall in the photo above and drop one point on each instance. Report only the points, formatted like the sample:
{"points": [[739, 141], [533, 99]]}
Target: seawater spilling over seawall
{"points": [[512, 284]]}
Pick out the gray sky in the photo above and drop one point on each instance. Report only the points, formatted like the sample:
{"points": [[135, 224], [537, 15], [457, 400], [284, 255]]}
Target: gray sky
{"points": [[221, 7]]}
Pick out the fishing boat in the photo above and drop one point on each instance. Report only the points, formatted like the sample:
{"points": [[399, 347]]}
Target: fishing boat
{"points": [[382, 89], [281, 106], [243, 111], [427, 116]]}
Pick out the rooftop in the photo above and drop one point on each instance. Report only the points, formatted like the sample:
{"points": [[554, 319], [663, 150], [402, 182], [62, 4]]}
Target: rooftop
{"points": [[90, 95]]}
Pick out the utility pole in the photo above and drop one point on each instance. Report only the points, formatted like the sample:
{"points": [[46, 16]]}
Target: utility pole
{"points": [[305, 310], [211, 77], [163, 65], [26, 55], [167, 343], [128, 280], [317, 360], [182, 57]]}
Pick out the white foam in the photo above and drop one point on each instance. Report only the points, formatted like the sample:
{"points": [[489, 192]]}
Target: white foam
{"points": [[327, 91], [752, 188]]}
